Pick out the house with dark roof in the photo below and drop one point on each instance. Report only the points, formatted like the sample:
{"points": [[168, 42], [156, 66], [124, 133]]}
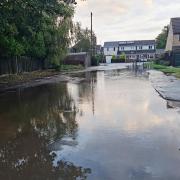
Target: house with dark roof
{"points": [[142, 49], [173, 42]]}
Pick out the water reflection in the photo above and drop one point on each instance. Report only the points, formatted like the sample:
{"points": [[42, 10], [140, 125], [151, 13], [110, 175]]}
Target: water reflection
{"points": [[132, 135], [31, 122], [112, 125]]}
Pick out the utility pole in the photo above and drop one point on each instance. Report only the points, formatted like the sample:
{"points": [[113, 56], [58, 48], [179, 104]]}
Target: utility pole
{"points": [[91, 36]]}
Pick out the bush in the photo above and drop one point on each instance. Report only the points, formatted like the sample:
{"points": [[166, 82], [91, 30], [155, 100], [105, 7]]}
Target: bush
{"points": [[113, 57], [99, 58], [118, 60], [95, 61], [123, 57], [162, 62]]}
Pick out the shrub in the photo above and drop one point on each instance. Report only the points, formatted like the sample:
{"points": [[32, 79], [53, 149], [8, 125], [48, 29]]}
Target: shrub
{"points": [[123, 57], [95, 61], [113, 57], [162, 62]]}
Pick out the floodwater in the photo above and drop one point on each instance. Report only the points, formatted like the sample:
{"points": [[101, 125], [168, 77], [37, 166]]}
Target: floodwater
{"points": [[110, 126]]}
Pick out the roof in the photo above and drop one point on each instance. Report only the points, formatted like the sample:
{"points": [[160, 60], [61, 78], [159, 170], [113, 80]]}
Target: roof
{"points": [[127, 43], [145, 42], [98, 47], [111, 44], [176, 25]]}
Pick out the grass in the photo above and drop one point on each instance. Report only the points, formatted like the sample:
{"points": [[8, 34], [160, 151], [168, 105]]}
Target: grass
{"points": [[68, 68], [169, 70], [13, 79]]}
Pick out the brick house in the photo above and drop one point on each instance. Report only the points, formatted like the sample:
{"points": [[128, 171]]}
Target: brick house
{"points": [[173, 42]]}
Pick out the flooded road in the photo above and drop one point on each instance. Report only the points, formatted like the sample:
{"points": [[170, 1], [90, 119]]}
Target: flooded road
{"points": [[110, 126]]}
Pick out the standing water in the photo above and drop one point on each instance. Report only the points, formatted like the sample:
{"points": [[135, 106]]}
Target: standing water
{"points": [[111, 126]]}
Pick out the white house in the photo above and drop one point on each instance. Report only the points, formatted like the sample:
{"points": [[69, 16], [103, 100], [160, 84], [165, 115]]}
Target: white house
{"points": [[132, 49]]}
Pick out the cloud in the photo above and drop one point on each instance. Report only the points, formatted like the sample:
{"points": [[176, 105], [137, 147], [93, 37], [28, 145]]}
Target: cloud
{"points": [[149, 2], [126, 20]]}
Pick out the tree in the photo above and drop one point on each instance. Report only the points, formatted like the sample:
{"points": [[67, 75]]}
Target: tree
{"points": [[37, 29], [162, 38], [81, 39]]}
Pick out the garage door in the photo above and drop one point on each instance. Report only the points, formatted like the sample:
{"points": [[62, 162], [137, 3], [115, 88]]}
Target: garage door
{"points": [[108, 59], [177, 59]]}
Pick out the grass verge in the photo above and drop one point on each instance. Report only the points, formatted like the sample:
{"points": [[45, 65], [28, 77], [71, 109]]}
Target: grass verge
{"points": [[13, 79], [69, 68], [169, 70]]}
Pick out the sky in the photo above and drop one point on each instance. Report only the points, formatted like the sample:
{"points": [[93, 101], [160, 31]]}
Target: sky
{"points": [[121, 20]]}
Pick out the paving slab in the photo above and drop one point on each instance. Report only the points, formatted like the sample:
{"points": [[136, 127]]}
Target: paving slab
{"points": [[167, 86]]}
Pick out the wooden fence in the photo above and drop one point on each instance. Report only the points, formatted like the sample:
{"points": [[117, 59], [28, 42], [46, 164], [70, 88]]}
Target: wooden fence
{"points": [[19, 65]]}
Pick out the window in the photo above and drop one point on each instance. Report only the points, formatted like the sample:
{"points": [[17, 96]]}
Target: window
{"points": [[140, 47], [122, 48], [150, 56], [150, 47], [107, 49], [114, 49]]}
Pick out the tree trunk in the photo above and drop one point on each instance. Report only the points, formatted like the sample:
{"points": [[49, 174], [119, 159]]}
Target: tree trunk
{"points": [[16, 65]]}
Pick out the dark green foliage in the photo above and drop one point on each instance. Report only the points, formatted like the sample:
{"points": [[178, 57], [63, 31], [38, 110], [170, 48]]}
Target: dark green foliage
{"points": [[82, 39], [94, 61], [100, 58], [113, 57], [35, 28], [122, 57], [119, 59], [162, 62], [162, 38]]}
